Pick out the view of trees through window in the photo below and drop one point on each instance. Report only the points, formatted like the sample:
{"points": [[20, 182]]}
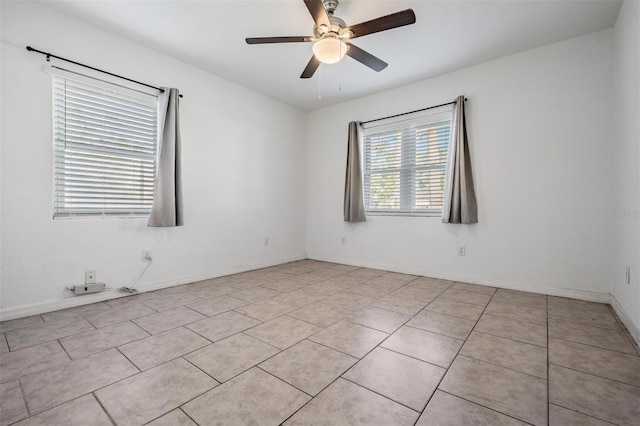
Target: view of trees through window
{"points": [[405, 168]]}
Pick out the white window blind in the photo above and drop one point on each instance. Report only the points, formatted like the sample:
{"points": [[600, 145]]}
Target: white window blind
{"points": [[405, 162], [105, 147]]}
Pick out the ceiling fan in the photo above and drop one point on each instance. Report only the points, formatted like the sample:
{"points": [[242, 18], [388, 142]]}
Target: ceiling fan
{"points": [[330, 34]]}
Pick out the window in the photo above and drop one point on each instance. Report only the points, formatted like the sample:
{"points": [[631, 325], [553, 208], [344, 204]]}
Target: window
{"points": [[105, 140], [405, 160]]}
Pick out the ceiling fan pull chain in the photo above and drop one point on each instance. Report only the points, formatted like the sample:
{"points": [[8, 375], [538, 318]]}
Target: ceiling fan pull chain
{"points": [[320, 82], [340, 71]]}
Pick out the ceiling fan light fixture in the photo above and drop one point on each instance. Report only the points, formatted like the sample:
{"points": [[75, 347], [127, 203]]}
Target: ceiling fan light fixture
{"points": [[329, 50], [346, 34]]}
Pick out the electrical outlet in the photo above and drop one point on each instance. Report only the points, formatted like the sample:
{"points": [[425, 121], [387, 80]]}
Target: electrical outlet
{"points": [[344, 241], [266, 241], [90, 276], [462, 250], [147, 256]]}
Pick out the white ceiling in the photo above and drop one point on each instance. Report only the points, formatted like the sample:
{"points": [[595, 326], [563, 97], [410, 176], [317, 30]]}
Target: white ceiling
{"points": [[447, 35]]}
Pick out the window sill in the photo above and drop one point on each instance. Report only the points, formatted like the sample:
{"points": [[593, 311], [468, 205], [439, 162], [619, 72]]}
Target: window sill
{"points": [[404, 214], [101, 217]]}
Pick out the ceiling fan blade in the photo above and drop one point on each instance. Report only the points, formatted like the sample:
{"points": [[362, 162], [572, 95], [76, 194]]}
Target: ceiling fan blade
{"points": [[395, 20], [311, 68], [266, 40], [318, 12], [366, 58]]}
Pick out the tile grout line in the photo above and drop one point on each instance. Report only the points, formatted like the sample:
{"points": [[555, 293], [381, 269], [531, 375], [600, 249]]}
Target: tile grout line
{"points": [[105, 349], [448, 313], [186, 414], [475, 291], [613, 351], [511, 338], [506, 368], [88, 393], [462, 301], [137, 374], [482, 406], [270, 344], [359, 359], [216, 341], [418, 359], [24, 398], [198, 367], [243, 371], [617, 328], [282, 380], [454, 358], [594, 346], [491, 314], [66, 352], [179, 407], [588, 309], [260, 340], [130, 361], [595, 375], [586, 415], [519, 304], [103, 407], [334, 349], [384, 396]]}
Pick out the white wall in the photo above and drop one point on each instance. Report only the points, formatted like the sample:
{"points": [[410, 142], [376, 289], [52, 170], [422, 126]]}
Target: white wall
{"points": [[548, 165], [539, 129], [626, 162], [243, 160]]}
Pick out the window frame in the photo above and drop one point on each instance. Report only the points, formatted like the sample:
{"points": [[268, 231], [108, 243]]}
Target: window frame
{"points": [[150, 96], [407, 166]]}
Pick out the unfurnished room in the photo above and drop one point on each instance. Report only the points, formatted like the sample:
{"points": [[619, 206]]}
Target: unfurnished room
{"points": [[319, 212]]}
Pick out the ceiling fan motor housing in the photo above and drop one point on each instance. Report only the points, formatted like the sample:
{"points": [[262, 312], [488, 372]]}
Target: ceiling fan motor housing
{"points": [[337, 28]]}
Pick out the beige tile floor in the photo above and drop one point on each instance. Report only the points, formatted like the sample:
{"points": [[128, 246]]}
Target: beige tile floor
{"points": [[315, 343]]}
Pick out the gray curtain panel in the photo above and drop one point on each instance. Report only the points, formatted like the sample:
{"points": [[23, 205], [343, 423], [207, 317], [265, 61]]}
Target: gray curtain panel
{"points": [[460, 197], [166, 210], [353, 197]]}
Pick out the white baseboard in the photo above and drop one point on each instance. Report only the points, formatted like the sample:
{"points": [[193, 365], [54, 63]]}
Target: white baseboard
{"points": [[54, 305], [634, 329], [591, 296], [114, 293]]}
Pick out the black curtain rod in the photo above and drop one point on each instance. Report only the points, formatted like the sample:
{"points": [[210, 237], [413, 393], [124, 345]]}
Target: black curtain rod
{"points": [[411, 112], [50, 55]]}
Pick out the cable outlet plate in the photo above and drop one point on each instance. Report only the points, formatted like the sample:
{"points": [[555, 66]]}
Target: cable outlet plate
{"points": [[462, 250], [147, 256], [90, 276]]}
